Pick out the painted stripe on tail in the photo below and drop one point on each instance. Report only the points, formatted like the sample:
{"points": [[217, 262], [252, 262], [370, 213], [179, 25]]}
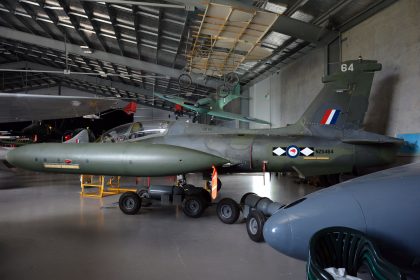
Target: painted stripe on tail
{"points": [[330, 116]]}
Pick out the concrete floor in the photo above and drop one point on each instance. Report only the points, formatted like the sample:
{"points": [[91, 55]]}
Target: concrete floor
{"points": [[48, 232]]}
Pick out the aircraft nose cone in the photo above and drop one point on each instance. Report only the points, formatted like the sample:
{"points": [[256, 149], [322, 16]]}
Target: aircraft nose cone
{"points": [[277, 232], [3, 153], [19, 157], [11, 157]]}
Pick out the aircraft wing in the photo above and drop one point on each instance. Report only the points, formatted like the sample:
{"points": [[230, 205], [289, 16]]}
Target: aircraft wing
{"points": [[232, 116], [181, 101], [174, 99], [17, 107], [366, 141]]}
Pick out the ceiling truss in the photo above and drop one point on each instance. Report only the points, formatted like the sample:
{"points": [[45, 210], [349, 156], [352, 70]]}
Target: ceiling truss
{"points": [[148, 43]]}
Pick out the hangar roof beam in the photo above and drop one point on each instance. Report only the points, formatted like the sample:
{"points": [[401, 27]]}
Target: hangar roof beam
{"points": [[16, 35], [295, 28], [286, 25], [82, 78]]}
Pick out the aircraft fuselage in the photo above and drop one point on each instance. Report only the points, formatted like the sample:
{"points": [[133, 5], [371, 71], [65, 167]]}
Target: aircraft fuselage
{"points": [[183, 153], [308, 155]]}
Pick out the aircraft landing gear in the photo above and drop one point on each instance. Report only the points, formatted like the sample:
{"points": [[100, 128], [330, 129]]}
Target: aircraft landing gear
{"points": [[193, 199], [195, 118], [255, 210], [196, 201], [228, 210], [130, 203], [145, 198], [212, 121], [193, 206], [255, 224]]}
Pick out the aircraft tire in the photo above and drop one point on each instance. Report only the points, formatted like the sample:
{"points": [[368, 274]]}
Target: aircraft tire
{"points": [[130, 203], [254, 225], [228, 210], [194, 206], [242, 201]]}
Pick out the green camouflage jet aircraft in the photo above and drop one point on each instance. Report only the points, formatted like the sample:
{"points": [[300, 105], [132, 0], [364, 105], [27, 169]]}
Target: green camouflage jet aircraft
{"points": [[212, 106], [327, 139]]}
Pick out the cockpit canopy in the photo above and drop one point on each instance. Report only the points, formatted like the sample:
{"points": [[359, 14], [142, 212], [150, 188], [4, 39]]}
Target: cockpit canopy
{"points": [[134, 131]]}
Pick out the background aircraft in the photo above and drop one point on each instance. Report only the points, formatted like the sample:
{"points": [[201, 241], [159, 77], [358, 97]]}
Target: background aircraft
{"points": [[17, 107], [212, 106], [327, 139], [382, 205], [42, 118]]}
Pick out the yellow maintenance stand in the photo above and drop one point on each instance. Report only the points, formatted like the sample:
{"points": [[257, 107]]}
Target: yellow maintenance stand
{"points": [[104, 187]]}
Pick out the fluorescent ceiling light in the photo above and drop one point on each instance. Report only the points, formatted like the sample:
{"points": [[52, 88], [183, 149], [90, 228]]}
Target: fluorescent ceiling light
{"points": [[22, 14], [275, 39], [53, 7], [299, 15], [66, 25], [275, 8], [30, 2]]}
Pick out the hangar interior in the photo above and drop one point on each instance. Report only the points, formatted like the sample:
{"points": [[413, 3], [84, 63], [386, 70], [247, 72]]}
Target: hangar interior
{"points": [[278, 51]]}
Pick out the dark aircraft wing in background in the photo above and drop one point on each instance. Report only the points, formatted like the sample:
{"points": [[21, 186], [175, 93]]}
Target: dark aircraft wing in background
{"points": [[17, 107]]}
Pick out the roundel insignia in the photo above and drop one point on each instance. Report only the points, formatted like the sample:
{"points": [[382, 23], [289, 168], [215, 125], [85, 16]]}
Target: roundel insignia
{"points": [[293, 151]]}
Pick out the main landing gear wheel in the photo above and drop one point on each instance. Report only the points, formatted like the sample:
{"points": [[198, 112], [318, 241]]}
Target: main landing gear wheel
{"points": [[194, 206], [254, 225], [228, 210], [129, 203]]}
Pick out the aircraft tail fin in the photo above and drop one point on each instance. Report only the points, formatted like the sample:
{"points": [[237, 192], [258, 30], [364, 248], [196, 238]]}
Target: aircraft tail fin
{"points": [[79, 136], [131, 108], [344, 99]]}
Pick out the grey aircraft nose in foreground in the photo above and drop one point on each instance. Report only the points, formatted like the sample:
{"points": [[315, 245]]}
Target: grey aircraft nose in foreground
{"points": [[384, 205], [327, 139]]}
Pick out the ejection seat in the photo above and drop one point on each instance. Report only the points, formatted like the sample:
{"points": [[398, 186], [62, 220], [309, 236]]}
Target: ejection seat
{"points": [[136, 128], [342, 247]]}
